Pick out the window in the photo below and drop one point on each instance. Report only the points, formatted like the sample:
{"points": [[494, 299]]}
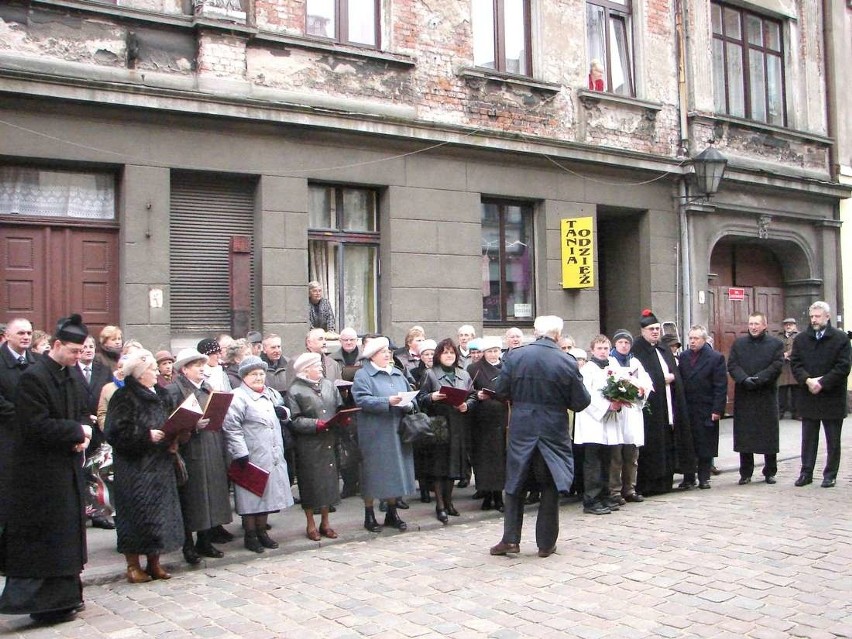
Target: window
{"points": [[48, 193], [748, 76], [610, 40], [507, 262], [343, 252], [346, 21], [501, 35]]}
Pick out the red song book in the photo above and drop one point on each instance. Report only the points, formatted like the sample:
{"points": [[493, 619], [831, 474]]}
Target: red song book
{"points": [[216, 409], [339, 415], [184, 418], [251, 477], [454, 396]]}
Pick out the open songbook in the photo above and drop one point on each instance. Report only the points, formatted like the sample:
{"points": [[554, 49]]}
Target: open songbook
{"points": [[186, 416], [454, 396]]}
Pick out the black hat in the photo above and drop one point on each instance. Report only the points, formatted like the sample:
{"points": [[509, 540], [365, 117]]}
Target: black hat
{"points": [[254, 337], [648, 318], [208, 346], [668, 340], [71, 329]]}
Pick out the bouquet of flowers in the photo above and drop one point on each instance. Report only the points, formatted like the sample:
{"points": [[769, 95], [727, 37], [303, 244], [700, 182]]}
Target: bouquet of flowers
{"points": [[620, 387]]}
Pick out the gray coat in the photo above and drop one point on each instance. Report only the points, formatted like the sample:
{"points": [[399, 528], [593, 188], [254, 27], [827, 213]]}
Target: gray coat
{"points": [[204, 498], [316, 467], [252, 428], [388, 465]]}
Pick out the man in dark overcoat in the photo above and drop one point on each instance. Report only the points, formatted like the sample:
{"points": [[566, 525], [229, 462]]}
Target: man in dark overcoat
{"points": [[542, 383], [705, 384], [668, 445], [45, 540], [755, 362], [821, 361], [15, 358]]}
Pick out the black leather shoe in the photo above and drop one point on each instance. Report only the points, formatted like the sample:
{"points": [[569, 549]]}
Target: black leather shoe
{"points": [[704, 485], [744, 480], [505, 549], [715, 471], [546, 552], [220, 536], [803, 480], [265, 540], [102, 522], [463, 483], [383, 506], [635, 498], [190, 554], [828, 483], [533, 498], [395, 522], [441, 515], [55, 616], [596, 509], [209, 550], [425, 497], [770, 479], [252, 542], [370, 522], [686, 485], [451, 510], [402, 504]]}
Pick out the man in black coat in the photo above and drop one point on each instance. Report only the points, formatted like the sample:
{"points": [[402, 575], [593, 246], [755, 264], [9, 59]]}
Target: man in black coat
{"points": [[44, 547], [668, 445], [15, 358], [755, 362], [705, 383], [543, 384], [821, 361]]}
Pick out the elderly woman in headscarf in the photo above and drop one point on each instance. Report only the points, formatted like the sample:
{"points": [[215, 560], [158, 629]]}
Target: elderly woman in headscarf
{"points": [[313, 400], [448, 458], [388, 464], [145, 488], [253, 435], [204, 498], [488, 428]]}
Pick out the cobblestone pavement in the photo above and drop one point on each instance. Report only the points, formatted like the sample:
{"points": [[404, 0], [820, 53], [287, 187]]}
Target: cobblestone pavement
{"points": [[756, 561]]}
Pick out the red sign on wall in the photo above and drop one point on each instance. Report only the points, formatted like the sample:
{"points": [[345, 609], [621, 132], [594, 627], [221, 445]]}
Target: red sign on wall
{"points": [[736, 294]]}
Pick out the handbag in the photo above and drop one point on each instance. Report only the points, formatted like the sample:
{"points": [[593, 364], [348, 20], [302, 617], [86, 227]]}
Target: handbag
{"points": [[440, 429], [415, 428], [181, 474]]}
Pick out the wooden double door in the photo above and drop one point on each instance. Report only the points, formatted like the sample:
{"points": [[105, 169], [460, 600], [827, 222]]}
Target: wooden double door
{"points": [[51, 271]]}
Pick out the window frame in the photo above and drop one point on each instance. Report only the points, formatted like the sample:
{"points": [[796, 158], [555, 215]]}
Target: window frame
{"points": [[624, 13], [746, 48], [498, 31], [341, 237], [341, 25], [528, 210]]}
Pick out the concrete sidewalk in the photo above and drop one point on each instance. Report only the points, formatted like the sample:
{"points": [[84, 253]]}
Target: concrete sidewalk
{"points": [[288, 527]]}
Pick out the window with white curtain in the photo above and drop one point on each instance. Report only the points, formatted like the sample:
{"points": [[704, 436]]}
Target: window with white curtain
{"points": [[501, 35], [343, 252], [346, 21], [609, 35], [53, 193]]}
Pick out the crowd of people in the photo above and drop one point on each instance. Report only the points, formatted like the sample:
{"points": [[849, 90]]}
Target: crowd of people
{"points": [[526, 422]]}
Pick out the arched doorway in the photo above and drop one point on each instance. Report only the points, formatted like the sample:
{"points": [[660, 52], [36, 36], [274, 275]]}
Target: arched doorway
{"points": [[749, 275]]}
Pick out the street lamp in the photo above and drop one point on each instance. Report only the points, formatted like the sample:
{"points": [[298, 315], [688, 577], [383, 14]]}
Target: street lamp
{"points": [[709, 167]]}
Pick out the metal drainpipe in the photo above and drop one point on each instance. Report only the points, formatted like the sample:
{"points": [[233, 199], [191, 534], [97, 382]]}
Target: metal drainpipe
{"points": [[685, 299]]}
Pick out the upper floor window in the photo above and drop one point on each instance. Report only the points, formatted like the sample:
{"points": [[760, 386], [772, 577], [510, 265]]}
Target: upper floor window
{"points": [[345, 21], [610, 40], [748, 72], [501, 35], [508, 265], [343, 252]]}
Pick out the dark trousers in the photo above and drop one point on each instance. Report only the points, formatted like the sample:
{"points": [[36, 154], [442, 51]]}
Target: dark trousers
{"points": [[810, 445], [547, 525], [704, 466], [595, 473], [787, 400], [770, 465]]}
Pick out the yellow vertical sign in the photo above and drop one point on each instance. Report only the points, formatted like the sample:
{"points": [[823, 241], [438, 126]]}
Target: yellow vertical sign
{"points": [[578, 252]]}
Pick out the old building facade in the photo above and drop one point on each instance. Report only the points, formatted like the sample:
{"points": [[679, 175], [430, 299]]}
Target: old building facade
{"points": [[184, 168]]}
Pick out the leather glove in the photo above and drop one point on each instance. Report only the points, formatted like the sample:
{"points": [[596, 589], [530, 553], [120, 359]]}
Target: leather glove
{"points": [[281, 412], [750, 383], [321, 425], [242, 462]]}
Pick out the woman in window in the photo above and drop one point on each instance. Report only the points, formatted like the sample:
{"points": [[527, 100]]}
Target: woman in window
{"points": [[204, 499], [145, 488], [253, 434], [488, 432], [447, 459], [313, 400], [387, 463]]}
